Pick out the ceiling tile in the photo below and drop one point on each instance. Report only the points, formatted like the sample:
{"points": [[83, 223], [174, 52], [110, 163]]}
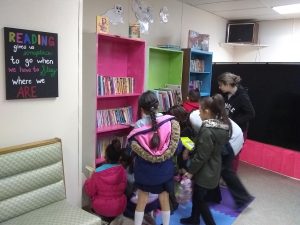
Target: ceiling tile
{"points": [[243, 9], [272, 3], [232, 5], [250, 14], [198, 2]]}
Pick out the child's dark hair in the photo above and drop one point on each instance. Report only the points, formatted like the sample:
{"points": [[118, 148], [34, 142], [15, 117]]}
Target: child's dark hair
{"points": [[149, 103], [183, 117], [179, 112], [113, 151], [216, 105], [126, 159], [194, 95]]}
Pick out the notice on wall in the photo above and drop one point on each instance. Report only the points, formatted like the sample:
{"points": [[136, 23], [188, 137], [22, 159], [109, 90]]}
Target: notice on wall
{"points": [[31, 64]]}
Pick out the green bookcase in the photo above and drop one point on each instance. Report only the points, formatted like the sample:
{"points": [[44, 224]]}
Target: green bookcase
{"points": [[165, 67]]}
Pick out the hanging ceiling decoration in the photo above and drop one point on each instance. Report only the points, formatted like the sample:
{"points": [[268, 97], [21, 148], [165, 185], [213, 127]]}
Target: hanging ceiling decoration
{"points": [[164, 14], [115, 15], [143, 15]]}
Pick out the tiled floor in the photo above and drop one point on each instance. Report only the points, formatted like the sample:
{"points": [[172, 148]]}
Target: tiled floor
{"points": [[277, 198], [277, 201], [224, 213]]}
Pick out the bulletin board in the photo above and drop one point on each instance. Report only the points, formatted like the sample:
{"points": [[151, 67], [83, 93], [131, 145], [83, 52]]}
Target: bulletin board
{"points": [[31, 64]]}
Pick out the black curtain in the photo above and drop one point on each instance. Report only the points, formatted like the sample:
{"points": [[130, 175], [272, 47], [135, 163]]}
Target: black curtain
{"points": [[274, 89]]}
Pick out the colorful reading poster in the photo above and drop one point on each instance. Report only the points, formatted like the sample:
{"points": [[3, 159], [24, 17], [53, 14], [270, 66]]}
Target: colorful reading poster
{"points": [[31, 64]]}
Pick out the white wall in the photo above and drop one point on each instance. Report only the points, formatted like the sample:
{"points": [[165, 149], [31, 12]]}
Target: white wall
{"points": [[182, 18], [282, 40], [159, 33], [206, 23], [24, 121]]}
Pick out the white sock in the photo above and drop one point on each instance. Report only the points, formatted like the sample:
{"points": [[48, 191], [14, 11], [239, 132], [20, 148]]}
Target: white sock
{"points": [[138, 218], [165, 217]]}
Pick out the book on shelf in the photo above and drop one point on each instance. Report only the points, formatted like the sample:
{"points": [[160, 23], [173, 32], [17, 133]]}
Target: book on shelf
{"points": [[134, 30], [168, 97], [107, 85], [195, 84], [110, 117], [102, 24], [177, 92], [128, 124], [187, 143], [197, 65], [103, 142], [198, 41]]}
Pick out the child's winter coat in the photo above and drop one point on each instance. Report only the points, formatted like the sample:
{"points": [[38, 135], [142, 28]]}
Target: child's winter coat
{"points": [[106, 188]]}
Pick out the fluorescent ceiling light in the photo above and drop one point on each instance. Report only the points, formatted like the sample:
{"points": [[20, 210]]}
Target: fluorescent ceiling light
{"points": [[287, 9]]}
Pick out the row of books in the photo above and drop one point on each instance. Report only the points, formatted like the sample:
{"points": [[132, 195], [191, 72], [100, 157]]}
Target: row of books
{"points": [[194, 84], [168, 97], [114, 85], [110, 117], [103, 142], [197, 65]]}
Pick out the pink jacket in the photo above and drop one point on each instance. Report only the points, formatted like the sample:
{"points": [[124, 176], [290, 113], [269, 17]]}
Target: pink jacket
{"points": [[164, 131], [106, 189]]}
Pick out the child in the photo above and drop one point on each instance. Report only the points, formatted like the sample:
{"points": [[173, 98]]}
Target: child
{"points": [[206, 161], [192, 102], [182, 116], [106, 187], [186, 130], [131, 192], [154, 140]]}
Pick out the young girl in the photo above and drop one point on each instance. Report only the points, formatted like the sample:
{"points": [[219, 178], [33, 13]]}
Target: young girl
{"points": [[106, 187], [182, 116], [154, 140], [131, 193], [206, 162], [192, 102], [186, 130]]}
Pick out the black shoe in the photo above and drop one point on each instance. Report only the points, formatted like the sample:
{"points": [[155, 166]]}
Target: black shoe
{"points": [[189, 221], [240, 207]]}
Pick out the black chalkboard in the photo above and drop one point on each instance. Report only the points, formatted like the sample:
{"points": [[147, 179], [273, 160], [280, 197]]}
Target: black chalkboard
{"points": [[30, 64], [274, 89]]}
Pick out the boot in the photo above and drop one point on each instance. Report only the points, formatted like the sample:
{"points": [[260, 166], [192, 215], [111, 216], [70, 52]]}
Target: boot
{"points": [[189, 221]]}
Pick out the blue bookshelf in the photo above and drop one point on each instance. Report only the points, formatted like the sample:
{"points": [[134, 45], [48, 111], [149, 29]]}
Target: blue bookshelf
{"points": [[197, 71]]}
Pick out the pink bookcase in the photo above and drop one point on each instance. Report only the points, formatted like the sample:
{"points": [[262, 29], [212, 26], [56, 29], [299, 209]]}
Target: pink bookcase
{"points": [[119, 57]]}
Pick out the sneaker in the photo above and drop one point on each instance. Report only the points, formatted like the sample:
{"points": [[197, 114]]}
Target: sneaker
{"points": [[189, 221]]}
